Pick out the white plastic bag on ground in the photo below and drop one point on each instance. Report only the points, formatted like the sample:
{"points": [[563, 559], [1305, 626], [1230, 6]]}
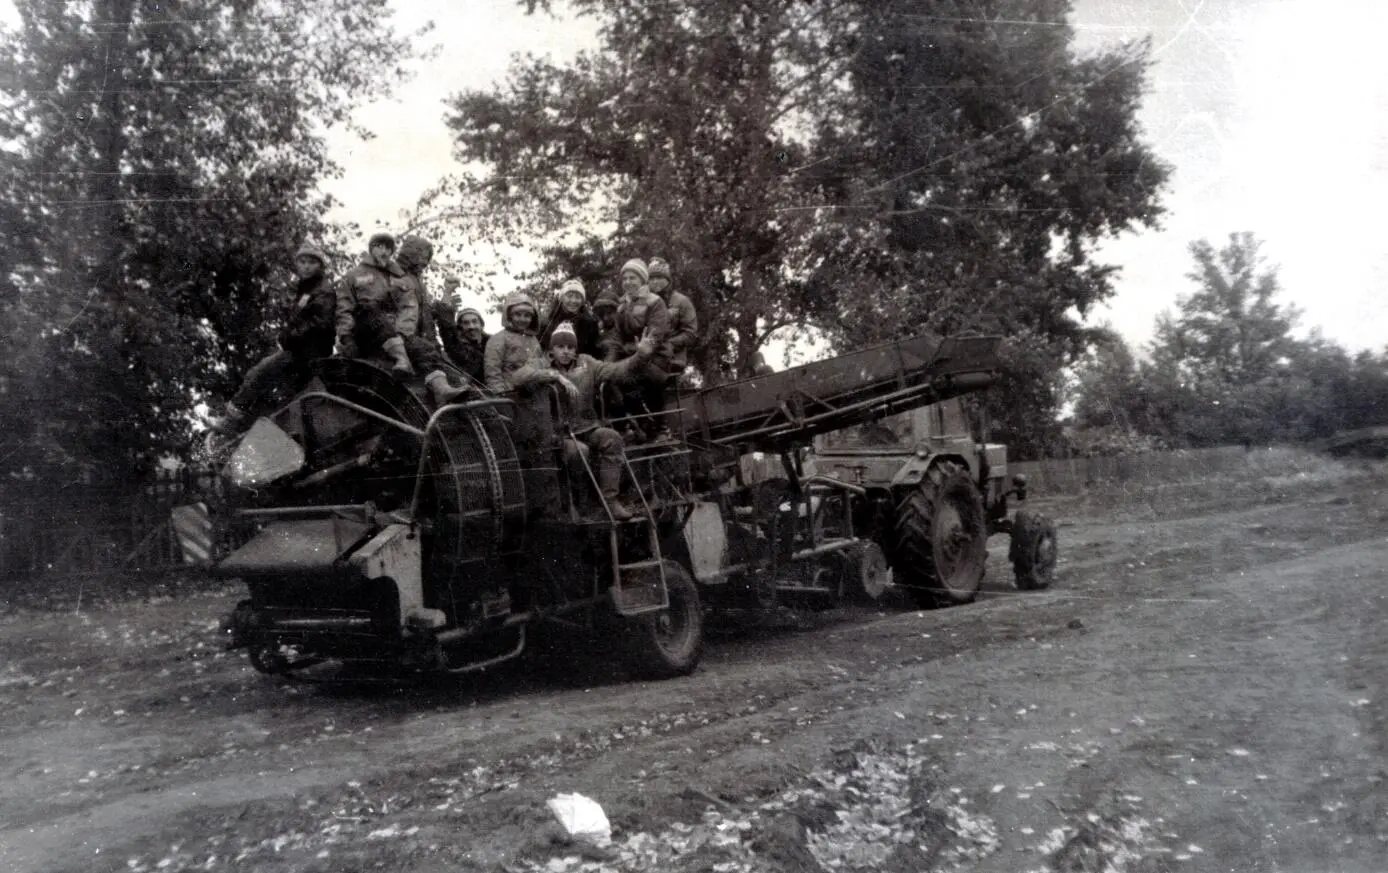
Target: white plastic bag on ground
{"points": [[581, 817]]}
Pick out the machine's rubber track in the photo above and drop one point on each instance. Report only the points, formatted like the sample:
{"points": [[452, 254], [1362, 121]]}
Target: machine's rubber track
{"points": [[940, 540]]}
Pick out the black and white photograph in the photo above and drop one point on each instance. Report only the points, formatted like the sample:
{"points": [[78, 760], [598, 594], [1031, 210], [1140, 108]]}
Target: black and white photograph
{"points": [[693, 436]]}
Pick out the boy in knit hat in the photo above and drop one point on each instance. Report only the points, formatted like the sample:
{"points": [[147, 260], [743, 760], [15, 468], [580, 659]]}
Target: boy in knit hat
{"points": [[684, 320], [515, 366], [307, 335], [513, 359], [586, 433], [643, 316]]}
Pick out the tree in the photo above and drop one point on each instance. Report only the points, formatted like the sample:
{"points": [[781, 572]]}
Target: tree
{"points": [[868, 169], [1226, 355], [1231, 330], [684, 128], [980, 165], [1107, 389], [159, 165]]}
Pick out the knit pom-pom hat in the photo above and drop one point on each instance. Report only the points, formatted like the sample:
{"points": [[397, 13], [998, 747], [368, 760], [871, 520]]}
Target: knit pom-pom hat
{"points": [[564, 331]]}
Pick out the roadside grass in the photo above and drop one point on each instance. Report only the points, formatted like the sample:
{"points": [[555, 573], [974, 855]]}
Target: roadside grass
{"points": [[1260, 477]]}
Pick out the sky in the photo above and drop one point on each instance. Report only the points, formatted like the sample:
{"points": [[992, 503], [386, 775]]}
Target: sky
{"points": [[1273, 113]]}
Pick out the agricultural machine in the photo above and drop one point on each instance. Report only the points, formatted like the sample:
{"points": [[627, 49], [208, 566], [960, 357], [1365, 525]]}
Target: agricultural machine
{"points": [[375, 530]]}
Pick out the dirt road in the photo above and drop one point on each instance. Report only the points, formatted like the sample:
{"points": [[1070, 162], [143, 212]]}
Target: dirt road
{"points": [[1203, 690]]}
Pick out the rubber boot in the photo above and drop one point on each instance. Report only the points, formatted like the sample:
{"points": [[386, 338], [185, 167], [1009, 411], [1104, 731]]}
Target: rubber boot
{"points": [[442, 392], [395, 350], [610, 479], [230, 424]]}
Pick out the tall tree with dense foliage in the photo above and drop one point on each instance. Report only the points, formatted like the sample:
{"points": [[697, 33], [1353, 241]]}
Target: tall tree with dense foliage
{"points": [[1226, 355], [158, 165], [869, 169], [1226, 368], [1107, 386], [684, 128], [982, 164]]}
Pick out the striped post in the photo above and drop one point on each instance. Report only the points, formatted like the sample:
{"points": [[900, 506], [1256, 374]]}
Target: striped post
{"points": [[192, 526]]}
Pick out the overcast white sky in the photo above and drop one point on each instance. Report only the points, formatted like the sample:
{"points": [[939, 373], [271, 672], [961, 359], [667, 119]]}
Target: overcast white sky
{"points": [[1273, 112]]}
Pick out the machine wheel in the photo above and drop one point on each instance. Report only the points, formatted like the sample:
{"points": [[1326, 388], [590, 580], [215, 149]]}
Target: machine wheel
{"points": [[867, 577], [666, 644], [269, 660], [1033, 550], [941, 538]]}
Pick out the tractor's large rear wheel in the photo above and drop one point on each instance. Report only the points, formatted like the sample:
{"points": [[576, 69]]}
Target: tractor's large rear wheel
{"points": [[940, 538], [668, 643]]}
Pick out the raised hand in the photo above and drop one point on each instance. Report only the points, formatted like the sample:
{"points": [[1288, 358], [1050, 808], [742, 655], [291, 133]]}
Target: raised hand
{"points": [[646, 347]]}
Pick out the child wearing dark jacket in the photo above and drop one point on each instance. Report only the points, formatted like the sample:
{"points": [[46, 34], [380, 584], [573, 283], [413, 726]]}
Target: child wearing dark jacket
{"points": [[306, 336]]}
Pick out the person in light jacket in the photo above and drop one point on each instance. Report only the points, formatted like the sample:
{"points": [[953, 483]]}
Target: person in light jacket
{"points": [[587, 435], [684, 320]]}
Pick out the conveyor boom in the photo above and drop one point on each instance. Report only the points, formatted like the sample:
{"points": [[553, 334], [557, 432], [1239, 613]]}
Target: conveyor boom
{"points": [[779, 410]]}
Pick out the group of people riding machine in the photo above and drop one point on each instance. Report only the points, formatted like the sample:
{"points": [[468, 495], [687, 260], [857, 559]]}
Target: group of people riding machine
{"points": [[611, 358]]}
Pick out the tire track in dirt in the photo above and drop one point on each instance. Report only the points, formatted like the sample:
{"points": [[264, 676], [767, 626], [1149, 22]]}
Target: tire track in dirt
{"points": [[777, 674]]}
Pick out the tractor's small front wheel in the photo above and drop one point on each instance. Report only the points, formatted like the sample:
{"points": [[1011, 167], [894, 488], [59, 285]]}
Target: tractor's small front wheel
{"points": [[1033, 551], [668, 643], [940, 538]]}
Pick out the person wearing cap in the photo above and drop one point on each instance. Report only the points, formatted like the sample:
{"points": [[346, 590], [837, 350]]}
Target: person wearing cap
{"points": [[461, 331], [585, 433], [642, 315], [571, 307], [684, 320], [306, 336], [513, 360], [368, 304], [515, 366]]}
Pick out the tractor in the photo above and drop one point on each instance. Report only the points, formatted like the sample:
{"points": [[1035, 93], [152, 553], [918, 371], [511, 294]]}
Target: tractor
{"points": [[935, 493], [379, 533]]}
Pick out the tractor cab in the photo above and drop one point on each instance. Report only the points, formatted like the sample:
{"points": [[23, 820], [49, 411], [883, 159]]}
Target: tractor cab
{"points": [[888, 450]]}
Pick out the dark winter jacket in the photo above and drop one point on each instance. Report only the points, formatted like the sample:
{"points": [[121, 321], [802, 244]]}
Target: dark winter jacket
{"points": [[414, 317], [585, 325], [645, 315], [684, 326], [465, 354], [609, 338], [309, 330], [368, 283]]}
